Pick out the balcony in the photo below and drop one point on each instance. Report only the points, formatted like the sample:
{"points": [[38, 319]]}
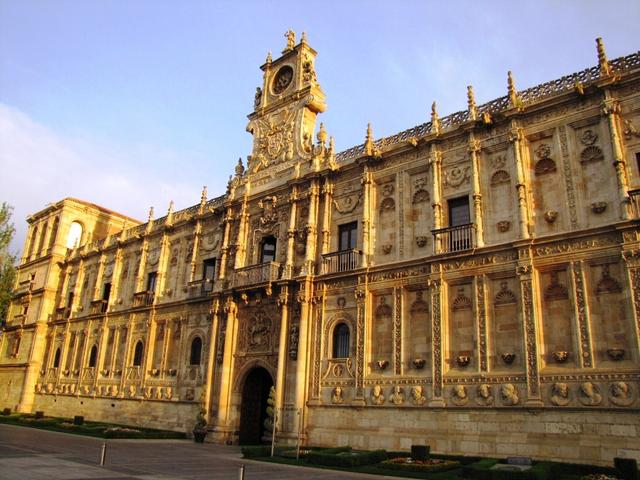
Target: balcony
{"points": [[143, 299], [62, 313], [634, 197], [256, 274], [200, 288], [455, 239], [99, 306], [342, 261]]}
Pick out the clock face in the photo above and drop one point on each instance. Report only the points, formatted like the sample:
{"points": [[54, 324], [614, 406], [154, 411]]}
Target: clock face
{"points": [[282, 79]]}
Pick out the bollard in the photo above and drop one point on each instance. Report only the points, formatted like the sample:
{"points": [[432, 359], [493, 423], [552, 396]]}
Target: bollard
{"points": [[241, 473], [103, 454]]}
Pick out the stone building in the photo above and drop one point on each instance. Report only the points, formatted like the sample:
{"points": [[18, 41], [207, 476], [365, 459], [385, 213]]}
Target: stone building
{"points": [[472, 282]]}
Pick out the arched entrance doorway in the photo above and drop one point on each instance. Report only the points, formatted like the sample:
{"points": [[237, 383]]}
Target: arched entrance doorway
{"points": [[253, 409]]}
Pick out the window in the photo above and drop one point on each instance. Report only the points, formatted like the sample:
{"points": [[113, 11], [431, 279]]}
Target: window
{"points": [[75, 235], [151, 281], [196, 351], [56, 358], [341, 341], [348, 236], [137, 354], [106, 293], [459, 211], [208, 274], [93, 355], [268, 250]]}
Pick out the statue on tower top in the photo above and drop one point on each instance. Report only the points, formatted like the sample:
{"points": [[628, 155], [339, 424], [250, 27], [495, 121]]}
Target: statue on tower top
{"points": [[290, 35]]}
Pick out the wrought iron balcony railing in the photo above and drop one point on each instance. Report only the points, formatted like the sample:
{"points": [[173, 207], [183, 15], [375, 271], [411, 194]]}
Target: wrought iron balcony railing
{"points": [[341, 261], [455, 239], [256, 274], [634, 197], [199, 288], [142, 299]]}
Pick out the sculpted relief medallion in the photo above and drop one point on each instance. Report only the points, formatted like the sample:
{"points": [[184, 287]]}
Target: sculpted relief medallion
{"points": [[282, 79]]}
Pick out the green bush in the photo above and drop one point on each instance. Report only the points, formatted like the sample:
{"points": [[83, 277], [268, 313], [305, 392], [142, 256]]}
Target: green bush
{"points": [[345, 457], [481, 470], [256, 451], [420, 467]]}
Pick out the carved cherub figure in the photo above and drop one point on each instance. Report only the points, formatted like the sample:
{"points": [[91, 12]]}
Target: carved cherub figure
{"points": [[459, 395], [509, 393], [397, 396], [590, 394], [485, 395], [417, 395], [336, 395], [620, 394], [377, 395], [560, 394]]}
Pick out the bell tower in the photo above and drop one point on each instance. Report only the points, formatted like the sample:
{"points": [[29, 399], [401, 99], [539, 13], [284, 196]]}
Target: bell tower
{"points": [[285, 108]]}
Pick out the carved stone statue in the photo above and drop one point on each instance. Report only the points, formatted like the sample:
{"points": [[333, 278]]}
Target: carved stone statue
{"points": [[290, 35], [397, 396], [589, 394], [336, 395], [459, 395], [377, 395], [417, 395], [560, 394], [620, 394], [257, 98], [484, 395], [509, 394]]}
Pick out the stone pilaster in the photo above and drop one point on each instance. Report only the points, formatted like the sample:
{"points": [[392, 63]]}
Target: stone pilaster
{"points": [[437, 342], [32, 370], [361, 315], [632, 267], [516, 138], [397, 330], [611, 110], [211, 357], [311, 227], [481, 322], [224, 426], [581, 314], [366, 180], [224, 250], [283, 302], [435, 160], [243, 232], [291, 233], [327, 190], [474, 154]]}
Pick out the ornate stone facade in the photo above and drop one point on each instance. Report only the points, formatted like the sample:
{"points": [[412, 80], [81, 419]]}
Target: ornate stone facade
{"points": [[470, 274]]}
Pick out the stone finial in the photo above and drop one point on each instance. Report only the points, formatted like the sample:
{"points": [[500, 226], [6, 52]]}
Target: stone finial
{"points": [[471, 103], [203, 195], [303, 38], [150, 217], [170, 213], [435, 120], [290, 35], [322, 135], [605, 68], [511, 90], [332, 146], [269, 58], [368, 143], [239, 168]]}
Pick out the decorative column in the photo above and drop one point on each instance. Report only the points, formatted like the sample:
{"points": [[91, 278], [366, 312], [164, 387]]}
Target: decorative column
{"points": [[474, 149], [64, 351], [311, 227], [291, 233], [516, 138], [227, 220], [632, 263], [526, 277], [481, 322], [611, 109], [437, 342], [361, 305], [306, 301], [126, 354], [581, 314], [317, 344], [102, 347], [116, 276], [114, 351], [226, 371], [327, 190], [397, 330], [241, 241], [366, 181], [77, 288], [435, 160], [283, 302], [99, 274], [211, 357], [149, 346]]}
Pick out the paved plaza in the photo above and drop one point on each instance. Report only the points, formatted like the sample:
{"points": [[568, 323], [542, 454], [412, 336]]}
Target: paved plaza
{"points": [[27, 453]]}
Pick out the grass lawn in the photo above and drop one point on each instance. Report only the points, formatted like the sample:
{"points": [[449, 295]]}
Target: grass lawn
{"points": [[92, 429]]}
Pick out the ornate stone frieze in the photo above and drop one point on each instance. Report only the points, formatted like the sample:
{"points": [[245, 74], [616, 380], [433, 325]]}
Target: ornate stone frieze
{"points": [[568, 178], [437, 338], [481, 315], [576, 245], [582, 314]]}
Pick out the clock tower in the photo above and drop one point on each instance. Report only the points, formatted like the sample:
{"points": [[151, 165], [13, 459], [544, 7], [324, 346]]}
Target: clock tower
{"points": [[285, 109]]}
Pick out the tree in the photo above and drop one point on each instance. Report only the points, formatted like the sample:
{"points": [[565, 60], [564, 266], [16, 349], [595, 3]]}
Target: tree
{"points": [[7, 260]]}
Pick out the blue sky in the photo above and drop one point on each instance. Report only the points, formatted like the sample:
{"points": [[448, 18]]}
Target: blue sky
{"points": [[130, 104]]}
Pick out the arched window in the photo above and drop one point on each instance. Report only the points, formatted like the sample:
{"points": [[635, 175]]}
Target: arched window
{"points": [[341, 341], [43, 235], [268, 250], [196, 351], [137, 354], [56, 358], [32, 242], [93, 355], [54, 232], [75, 235]]}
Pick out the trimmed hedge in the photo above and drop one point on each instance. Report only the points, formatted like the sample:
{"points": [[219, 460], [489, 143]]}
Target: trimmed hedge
{"points": [[344, 457], [256, 451], [418, 467], [482, 471]]}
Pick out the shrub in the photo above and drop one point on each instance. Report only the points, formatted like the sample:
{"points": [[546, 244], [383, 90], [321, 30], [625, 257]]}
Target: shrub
{"points": [[431, 465], [256, 451], [345, 458], [482, 471], [6, 411], [78, 420]]}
